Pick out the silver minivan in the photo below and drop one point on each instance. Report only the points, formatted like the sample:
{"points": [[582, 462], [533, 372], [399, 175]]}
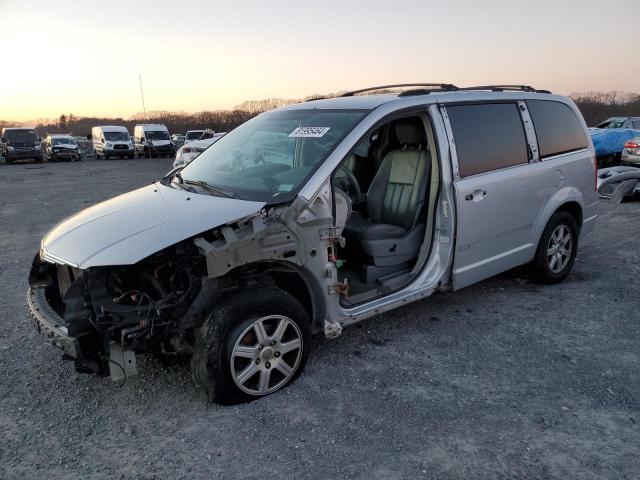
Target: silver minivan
{"points": [[310, 218]]}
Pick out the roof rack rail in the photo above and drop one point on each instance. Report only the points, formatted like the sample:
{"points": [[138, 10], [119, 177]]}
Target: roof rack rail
{"points": [[502, 88], [437, 86]]}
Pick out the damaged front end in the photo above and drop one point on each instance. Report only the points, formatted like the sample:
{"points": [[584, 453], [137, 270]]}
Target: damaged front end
{"points": [[102, 316]]}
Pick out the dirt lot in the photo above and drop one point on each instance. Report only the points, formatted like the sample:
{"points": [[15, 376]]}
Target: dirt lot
{"points": [[505, 379]]}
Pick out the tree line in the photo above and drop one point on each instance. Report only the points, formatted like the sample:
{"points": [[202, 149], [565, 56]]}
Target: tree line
{"points": [[598, 106], [595, 107]]}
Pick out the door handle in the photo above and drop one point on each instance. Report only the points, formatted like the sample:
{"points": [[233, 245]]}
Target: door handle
{"points": [[475, 196]]}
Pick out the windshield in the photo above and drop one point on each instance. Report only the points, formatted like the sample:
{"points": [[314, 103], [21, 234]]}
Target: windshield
{"points": [[26, 136], [615, 123], [269, 157], [156, 135], [117, 136], [195, 135], [63, 141], [612, 123]]}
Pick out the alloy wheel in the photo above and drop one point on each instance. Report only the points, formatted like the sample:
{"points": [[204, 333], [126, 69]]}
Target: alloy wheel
{"points": [[559, 248], [266, 355]]}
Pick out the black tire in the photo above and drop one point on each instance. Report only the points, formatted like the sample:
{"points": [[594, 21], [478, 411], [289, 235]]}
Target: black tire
{"points": [[211, 363], [147, 153], [541, 269], [38, 160]]}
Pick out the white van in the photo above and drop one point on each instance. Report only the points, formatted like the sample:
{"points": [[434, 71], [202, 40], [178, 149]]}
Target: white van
{"points": [[111, 141], [153, 140]]}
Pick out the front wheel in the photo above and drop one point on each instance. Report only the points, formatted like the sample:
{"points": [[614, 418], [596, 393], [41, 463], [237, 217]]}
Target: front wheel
{"points": [[252, 345], [557, 249]]}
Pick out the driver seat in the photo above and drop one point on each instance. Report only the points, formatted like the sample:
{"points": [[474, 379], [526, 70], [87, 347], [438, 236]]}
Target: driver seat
{"points": [[394, 231]]}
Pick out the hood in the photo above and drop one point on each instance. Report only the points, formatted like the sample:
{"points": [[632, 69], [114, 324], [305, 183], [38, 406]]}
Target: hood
{"points": [[160, 143], [69, 146], [130, 227]]}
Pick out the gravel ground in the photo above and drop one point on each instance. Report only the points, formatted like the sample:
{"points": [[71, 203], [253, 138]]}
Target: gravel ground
{"points": [[504, 379]]}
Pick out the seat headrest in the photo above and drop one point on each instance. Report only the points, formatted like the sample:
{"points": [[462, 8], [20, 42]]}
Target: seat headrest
{"points": [[410, 132]]}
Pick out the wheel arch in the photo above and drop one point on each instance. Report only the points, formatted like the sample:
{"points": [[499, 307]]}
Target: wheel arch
{"points": [[289, 277], [567, 199]]}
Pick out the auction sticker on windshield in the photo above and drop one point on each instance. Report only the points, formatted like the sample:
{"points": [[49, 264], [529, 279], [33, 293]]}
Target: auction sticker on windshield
{"points": [[306, 132]]}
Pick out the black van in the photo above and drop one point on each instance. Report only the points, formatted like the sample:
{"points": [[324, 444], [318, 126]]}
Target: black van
{"points": [[21, 144]]}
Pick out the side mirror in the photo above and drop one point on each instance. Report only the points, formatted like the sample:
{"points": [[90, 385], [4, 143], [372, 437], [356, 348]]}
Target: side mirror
{"points": [[4, 140], [89, 137], [102, 140]]}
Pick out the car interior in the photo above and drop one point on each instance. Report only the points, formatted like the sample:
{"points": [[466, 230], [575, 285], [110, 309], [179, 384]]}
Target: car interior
{"points": [[388, 185]]}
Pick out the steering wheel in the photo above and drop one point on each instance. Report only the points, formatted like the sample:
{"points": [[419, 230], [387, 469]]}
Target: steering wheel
{"points": [[352, 182]]}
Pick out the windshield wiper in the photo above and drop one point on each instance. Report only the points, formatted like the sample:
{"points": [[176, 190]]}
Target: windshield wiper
{"points": [[180, 182], [210, 188]]}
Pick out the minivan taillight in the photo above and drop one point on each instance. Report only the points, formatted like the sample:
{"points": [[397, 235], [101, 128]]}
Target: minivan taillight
{"points": [[186, 150], [631, 144]]}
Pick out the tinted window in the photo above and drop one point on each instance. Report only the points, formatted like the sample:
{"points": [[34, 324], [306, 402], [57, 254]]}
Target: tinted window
{"points": [[194, 135], [557, 128], [636, 125], [26, 136], [157, 135], [487, 137], [117, 136]]}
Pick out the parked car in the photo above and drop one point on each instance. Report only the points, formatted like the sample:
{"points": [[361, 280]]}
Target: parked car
{"points": [[21, 144], [153, 140], [609, 144], [61, 147], [191, 150], [177, 140], [310, 218], [621, 122], [112, 141], [193, 135], [631, 152]]}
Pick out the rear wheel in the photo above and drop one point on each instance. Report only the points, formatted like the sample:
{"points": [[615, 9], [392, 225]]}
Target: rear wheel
{"points": [[557, 249], [252, 345]]}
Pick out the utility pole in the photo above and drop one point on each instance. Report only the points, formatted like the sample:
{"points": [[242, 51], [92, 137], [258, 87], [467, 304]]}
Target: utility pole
{"points": [[144, 109]]}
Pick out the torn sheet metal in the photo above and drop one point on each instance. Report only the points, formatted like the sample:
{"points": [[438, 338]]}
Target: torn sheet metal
{"points": [[617, 183]]}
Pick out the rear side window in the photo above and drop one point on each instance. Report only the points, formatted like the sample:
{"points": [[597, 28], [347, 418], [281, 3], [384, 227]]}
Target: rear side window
{"points": [[557, 128], [488, 137]]}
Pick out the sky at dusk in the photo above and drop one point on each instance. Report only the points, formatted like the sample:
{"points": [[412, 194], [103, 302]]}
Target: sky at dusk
{"points": [[84, 57]]}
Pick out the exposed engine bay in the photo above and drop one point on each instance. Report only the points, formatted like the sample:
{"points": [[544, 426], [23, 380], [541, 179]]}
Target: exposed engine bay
{"points": [[102, 316], [135, 308]]}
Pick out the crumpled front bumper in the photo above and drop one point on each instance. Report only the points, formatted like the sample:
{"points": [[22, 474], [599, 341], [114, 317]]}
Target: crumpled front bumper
{"points": [[49, 323]]}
